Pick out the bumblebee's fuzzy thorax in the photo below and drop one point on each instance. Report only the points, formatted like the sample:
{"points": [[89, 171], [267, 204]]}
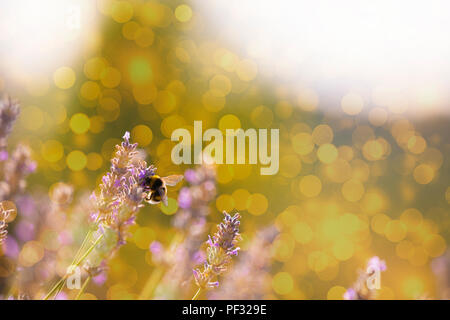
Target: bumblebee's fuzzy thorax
{"points": [[156, 187]]}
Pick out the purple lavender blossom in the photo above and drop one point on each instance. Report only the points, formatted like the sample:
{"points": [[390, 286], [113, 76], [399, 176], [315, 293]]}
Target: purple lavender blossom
{"points": [[25, 231], [184, 198], [226, 236], [375, 263], [26, 205], [194, 200], [191, 176], [100, 279], [11, 247], [441, 268], [4, 155], [350, 294], [221, 248], [62, 296], [156, 248], [65, 238], [122, 187]]}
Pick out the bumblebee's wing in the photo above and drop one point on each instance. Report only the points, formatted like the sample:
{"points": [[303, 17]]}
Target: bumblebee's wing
{"points": [[173, 179]]}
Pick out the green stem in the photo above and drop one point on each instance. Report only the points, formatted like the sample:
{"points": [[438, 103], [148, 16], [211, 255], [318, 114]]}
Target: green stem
{"points": [[86, 239], [60, 284], [196, 294], [89, 250], [82, 259], [151, 283], [83, 288], [12, 287], [55, 287]]}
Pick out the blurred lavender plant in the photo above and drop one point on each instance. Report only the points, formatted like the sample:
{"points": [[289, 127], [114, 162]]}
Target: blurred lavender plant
{"points": [[221, 248], [9, 111], [360, 290], [4, 214], [15, 167], [441, 268], [249, 277], [194, 200], [15, 170], [49, 215], [61, 196], [190, 221]]}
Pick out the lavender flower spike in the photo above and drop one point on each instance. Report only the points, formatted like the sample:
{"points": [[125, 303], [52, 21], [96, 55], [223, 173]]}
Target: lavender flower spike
{"points": [[121, 195], [247, 279], [9, 110], [222, 246]]}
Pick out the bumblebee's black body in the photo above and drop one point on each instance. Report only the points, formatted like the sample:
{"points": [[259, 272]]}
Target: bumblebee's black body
{"points": [[156, 189], [153, 183]]}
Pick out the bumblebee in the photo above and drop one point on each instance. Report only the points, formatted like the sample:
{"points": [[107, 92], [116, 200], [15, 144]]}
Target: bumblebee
{"points": [[156, 187]]}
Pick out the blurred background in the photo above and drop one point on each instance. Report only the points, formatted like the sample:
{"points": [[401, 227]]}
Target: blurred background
{"points": [[358, 89]]}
